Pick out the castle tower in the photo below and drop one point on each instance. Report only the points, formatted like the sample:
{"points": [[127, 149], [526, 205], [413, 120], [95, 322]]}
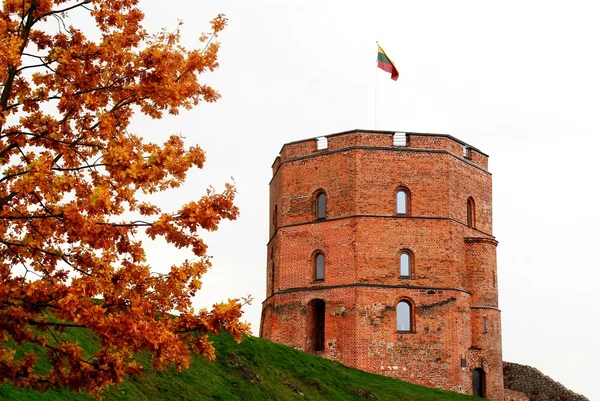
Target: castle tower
{"points": [[381, 256]]}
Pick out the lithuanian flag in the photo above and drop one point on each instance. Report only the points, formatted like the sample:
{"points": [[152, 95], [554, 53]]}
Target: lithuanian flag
{"points": [[384, 62]]}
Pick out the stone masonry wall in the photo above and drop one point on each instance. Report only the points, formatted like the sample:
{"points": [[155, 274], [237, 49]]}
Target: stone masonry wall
{"points": [[536, 385], [512, 395]]}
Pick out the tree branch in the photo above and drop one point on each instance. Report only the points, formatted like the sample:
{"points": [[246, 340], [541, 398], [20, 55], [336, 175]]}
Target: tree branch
{"points": [[49, 216], [12, 70], [53, 12], [138, 223], [36, 323]]}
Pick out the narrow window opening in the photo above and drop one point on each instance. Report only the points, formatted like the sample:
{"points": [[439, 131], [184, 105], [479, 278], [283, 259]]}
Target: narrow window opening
{"points": [[321, 205], [403, 318], [275, 218], [272, 277], [484, 325], [405, 262], [402, 202], [471, 212], [319, 267]]}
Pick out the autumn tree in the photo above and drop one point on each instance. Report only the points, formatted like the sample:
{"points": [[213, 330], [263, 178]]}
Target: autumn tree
{"points": [[77, 185]]}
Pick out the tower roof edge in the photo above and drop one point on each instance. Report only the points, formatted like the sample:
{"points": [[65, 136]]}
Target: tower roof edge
{"points": [[384, 132]]}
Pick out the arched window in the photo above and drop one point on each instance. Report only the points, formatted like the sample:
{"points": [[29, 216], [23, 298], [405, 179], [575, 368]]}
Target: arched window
{"points": [[321, 205], [403, 316], [402, 201], [405, 264], [319, 266], [275, 218], [470, 212]]}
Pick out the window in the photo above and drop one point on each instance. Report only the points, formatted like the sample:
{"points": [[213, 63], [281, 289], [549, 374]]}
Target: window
{"points": [[400, 139], [471, 212], [322, 143], [272, 280], [403, 318], [319, 266], [466, 152], [316, 325], [275, 217], [405, 264], [272, 277], [321, 205], [402, 201], [484, 325]]}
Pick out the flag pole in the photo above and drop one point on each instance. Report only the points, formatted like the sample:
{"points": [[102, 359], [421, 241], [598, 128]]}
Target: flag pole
{"points": [[375, 95]]}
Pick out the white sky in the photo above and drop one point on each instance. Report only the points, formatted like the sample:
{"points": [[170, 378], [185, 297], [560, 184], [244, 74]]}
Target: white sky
{"points": [[519, 80]]}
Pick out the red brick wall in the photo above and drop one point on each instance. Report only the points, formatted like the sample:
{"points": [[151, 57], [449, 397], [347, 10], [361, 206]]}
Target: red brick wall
{"points": [[453, 283]]}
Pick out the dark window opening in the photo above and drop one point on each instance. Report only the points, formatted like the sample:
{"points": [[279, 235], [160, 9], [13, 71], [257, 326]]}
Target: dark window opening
{"points": [[319, 267], [321, 205], [316, 324], [471, 212], [272, 277]]}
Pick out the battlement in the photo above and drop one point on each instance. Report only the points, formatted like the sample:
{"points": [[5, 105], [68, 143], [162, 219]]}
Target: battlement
{"points": [[400, 141]]}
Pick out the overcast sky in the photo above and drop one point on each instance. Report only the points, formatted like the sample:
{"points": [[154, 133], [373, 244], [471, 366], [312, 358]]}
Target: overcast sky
{"points": [[520, 80]]}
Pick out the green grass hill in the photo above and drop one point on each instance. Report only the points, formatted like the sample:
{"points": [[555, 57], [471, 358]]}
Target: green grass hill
{"points": [[256, 369]]}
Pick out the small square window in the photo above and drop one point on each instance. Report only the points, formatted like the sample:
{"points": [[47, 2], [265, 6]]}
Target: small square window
{"points": [[321, 143], [400, 139], [466, 152]]}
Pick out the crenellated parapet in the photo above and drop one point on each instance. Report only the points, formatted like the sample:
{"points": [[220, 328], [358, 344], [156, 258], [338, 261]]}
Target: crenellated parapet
{"points": [[401, 141]]}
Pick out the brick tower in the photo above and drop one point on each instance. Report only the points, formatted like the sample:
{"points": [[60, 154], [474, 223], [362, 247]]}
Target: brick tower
{"points": [[381, 256]]}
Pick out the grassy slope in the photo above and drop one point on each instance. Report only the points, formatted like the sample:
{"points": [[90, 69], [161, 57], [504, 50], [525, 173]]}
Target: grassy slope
{"points": [[284, 373]]}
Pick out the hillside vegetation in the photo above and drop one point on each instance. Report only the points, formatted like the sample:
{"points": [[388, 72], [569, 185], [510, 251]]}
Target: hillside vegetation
{"points": [[257, 370]]}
